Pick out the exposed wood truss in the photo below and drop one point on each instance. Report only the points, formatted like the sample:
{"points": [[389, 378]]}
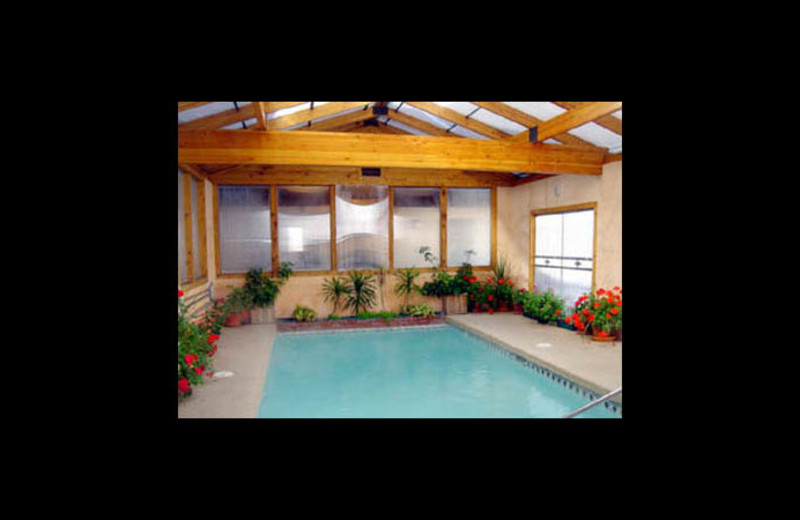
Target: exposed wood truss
{"points": [[351, 149], [228, 117], [455, 117], [571, 119], [608, 122]]}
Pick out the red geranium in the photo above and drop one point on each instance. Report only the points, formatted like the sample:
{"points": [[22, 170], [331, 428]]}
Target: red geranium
{"points": [[491, 311], [183, 385], [180, 293], [491, 297], [501, 281]]}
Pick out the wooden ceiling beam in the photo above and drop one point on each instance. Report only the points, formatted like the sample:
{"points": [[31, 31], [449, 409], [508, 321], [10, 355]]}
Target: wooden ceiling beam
{"points": [[419, 124], [455, 117], [261, 123], [608, 122], [303, 175], [528, 121], [305, 116], [349, 149], [335, 122], [194, 170], [187, 105], [228, 117], [572, 119]]}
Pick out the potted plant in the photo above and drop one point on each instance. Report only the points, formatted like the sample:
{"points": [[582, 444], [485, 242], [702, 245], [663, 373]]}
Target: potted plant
{"points": [[303, 313], [602, 311], [263, 291], [236, 306], [423, 310], [196, 348], [406, 286], [335, 291], [544, 307], [517, 299], [363, 294]]}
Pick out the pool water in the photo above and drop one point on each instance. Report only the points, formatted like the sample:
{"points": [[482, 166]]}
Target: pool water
{"points": [[419, 372]]}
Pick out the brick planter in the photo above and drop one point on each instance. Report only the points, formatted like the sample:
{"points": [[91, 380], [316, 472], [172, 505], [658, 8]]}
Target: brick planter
{"points": [[344, 324]]}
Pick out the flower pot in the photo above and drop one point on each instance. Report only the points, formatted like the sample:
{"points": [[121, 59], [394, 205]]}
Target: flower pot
{"points": [[261, 315], [612, 336], [518, 308], [503, 307], [543, 322], [245, 317], [233, 320], [455, 304]]}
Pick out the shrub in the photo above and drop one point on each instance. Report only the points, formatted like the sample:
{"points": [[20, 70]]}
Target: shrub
{"points": [[303, 313], [423, 310], [335, 290], [406, 285], [545, 306], [196, 348]]}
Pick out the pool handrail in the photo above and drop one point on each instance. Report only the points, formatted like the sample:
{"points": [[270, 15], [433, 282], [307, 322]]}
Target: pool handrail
{"points": [[593, 403]]}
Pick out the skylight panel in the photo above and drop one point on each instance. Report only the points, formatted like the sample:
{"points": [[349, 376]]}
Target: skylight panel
{"points": [[407, 128], [543, 110], [425, 116], [617, 114], [597, 135], [238, 125], [501, 123], [466, 132], [204, 110], [291, 110], [462, 107]]}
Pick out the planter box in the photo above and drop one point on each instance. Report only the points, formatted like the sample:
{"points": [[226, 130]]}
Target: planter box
{"points": [[343, 324], [455, 304], [261, 315]]}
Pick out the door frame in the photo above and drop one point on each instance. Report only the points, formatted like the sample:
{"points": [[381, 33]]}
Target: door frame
{"points": [[561, 209]]}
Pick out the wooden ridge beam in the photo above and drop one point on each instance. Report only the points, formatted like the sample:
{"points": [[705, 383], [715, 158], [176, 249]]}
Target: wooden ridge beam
{"points": [[608, 122], [528, 121], [352, 149], [351, 175], [455, 117], [228, 117], [572, 119]]}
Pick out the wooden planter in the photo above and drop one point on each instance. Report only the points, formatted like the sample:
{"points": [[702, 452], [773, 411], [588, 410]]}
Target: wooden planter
{"points": [[261, 315], [455, 304]]}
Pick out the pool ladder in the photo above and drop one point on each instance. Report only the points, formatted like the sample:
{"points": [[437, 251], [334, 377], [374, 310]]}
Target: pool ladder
{"points": [[594, 403]]}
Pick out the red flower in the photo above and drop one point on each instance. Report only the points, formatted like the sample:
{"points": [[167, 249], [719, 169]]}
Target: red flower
{"points": [[511, 282], [465, 278], [616, 288], [212, 338], [522, 290], [558, 312], [614, 310], [491, 311], [501, 281], [183, 385], [601, 291], [601, 334], [608, 316], [199, 370], [585, 311], [489, 280], [180, 293], [491, 297], [591, 317], [188, 359], [597, 305]]}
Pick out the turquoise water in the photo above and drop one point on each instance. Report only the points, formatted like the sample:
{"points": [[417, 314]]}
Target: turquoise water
{"points": [[430, 372]]}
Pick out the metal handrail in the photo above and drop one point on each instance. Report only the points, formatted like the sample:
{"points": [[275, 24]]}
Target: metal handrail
{"points": [[593, 403]]}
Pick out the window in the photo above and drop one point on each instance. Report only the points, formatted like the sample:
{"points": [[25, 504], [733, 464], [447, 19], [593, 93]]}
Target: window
{"points": [[416, 223], [304, 227], [362, 227], [469, 226], [244, 228], [563, 255]]}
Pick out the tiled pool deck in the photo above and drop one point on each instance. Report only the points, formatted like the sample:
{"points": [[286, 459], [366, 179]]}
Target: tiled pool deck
{"points": [[246, 350]]}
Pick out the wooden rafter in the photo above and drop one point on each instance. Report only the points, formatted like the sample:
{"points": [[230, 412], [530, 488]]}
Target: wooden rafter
{"points": [[187, 105], [335, 122], [419, 124], [305, 116], [455, 117], [608, 122], [349, 149], [572, 119], [260, 117], [527, 120], [228, 117]]}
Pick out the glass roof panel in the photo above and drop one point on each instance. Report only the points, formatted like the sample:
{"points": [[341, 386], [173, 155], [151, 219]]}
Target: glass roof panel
{"points": [[462, 107], [407, 128], [597, 135], [543, 110], [425, 116], [204, 110], [617, 114], [501, 123], [466, 132]]}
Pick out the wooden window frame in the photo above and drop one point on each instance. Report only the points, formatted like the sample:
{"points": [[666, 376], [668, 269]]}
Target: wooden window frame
{"points": [[561, 209], [202, 247]]}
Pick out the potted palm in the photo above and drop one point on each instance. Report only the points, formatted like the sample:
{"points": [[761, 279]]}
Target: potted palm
{"points": [[406, 286], [335, 291], [363, 294], [264, 290]]}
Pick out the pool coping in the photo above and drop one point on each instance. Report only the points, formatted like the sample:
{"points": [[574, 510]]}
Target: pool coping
{"points": [[560, 374]]}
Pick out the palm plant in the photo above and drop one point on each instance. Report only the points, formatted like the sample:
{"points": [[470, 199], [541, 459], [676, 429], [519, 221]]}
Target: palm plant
{"points": [[362, 295], [499, 269], [405, 285], [334, 290]]}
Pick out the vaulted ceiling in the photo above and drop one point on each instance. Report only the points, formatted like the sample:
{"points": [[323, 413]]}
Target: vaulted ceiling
{"points": [[558, 137]]}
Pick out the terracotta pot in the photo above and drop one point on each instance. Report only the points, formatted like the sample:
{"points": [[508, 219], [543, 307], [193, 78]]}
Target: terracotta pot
{"points": [[245, 317], [518, 308], [233, 320], [610, 337]]}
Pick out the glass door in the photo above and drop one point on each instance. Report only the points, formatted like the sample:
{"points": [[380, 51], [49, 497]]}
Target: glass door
{"points": [[563, 253]]}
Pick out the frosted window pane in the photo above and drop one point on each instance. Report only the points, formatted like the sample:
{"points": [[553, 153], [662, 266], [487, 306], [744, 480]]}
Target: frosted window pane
{"points": [[416, 224], [244, 228], [548, 279], [579, 234], [304, 227], [548, 234], [195, 232], [181, 232], [469, 226], [362, 227]]}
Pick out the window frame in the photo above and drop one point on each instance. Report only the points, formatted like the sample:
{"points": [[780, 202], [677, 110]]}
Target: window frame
{"points": [[202, 245]]}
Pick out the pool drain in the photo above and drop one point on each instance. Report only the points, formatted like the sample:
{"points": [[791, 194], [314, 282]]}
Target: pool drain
{"points": [[223, 373]]}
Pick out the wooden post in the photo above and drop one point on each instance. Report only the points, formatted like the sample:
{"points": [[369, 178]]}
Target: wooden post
{"points": [[443, 226], [273, 216], [187, 225], [201, 228], [218, 265], [334, 261], [493, 202]]}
